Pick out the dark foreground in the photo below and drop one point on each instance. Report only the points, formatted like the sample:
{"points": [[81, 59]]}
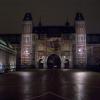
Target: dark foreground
{"points": [[50, 85]]}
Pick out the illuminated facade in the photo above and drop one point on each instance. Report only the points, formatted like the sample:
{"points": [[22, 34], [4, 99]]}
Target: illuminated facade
{"points": [[54, 46], [27, 42], [80, 42]]}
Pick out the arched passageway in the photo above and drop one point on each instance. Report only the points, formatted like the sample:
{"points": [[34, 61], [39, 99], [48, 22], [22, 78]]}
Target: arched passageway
{"points": [[53, 61]]}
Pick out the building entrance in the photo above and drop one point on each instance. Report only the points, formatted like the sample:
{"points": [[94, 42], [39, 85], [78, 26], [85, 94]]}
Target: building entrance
{"points": [[53, 62]]}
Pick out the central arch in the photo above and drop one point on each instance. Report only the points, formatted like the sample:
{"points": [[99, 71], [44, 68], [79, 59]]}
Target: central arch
{"points": [[53, 61]]}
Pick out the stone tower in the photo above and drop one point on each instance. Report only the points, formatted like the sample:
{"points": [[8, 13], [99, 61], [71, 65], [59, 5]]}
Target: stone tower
{"points": [[27, 41], [80, 41]]}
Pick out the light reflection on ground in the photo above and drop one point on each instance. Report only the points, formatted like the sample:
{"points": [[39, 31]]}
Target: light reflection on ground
{"points": [[68, 84]]}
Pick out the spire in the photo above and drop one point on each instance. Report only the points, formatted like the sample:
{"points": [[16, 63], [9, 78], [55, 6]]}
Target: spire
{"points": [[40, 22], [67, 22], [79, 17], [27, 17]]}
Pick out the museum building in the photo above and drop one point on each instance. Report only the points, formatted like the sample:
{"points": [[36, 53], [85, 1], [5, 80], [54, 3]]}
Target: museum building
{"points": [[54, 46]]}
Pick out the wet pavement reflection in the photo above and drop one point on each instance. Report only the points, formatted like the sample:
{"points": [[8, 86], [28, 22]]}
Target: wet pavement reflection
{"points": [[50, 85]]}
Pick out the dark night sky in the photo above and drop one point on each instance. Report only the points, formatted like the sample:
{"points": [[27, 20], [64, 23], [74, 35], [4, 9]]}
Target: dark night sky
{"points": [[51, 11]]}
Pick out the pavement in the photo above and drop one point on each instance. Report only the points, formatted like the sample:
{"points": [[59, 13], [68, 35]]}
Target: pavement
{"points": [[50, 85]]}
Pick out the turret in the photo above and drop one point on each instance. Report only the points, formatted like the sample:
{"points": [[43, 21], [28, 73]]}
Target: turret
{"points": [[27, 41], [80, 41], [80, 27], [27, 23]]}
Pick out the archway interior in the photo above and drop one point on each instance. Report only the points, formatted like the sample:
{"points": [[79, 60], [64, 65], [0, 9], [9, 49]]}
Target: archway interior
{"points": [[53, 61]]}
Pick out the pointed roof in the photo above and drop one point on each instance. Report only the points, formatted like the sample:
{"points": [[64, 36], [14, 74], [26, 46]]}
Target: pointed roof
{"points": [[27, 17], [79, 17]]}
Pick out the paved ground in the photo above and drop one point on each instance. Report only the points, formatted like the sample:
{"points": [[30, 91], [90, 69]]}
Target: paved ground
{"points": [[50, 85]]}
